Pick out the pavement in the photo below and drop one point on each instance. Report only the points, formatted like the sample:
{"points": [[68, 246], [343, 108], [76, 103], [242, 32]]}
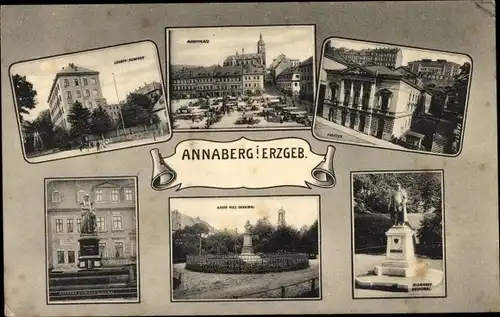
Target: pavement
{"points": [[198, 285], [109, 147], [333, 131]]}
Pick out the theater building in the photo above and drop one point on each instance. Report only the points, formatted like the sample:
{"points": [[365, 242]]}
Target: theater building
{"points": [[374, 100], [115, 204]]}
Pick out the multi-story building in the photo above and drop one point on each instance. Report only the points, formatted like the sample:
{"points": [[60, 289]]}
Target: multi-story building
{"points": [[216, 81], [306, 94], [115, 203], [288, 81], [375, 100], [73, 83], [439, 70], [256, 59], [113, 112], [153, 90], [181, 221], [281, 63], [386, 56]]}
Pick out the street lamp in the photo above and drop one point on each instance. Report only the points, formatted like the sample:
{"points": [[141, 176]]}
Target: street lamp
{"points": [[119, 107]]}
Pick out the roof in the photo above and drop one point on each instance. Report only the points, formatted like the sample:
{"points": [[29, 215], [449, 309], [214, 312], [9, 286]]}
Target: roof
{"points": [[243, 56], [289, 71], [415, 134], [334, 55], [382, 70], [306, 62]]}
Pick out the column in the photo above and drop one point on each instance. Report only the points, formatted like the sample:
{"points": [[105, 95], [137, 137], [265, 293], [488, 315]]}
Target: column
{"points": [[347, 118], [371, 102], [351, 94], [360, 99], [356, 121], [368, 123], [342, 92]]}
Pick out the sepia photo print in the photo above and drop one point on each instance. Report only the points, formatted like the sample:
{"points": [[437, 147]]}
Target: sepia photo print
{"points": [[245, 248], [91, 101], [398, 234], [258, 77], [92, 240], [392, 97]]}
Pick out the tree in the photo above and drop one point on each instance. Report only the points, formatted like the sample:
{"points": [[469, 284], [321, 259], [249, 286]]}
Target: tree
{"points": [[100, 121], [137, 110], [430, 234], [461, 86], [79, 118], [25, 95]]}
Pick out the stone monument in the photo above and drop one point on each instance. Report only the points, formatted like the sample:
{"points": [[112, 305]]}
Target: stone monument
{"points": [[89, 257], [247, 253], [401, 268]]}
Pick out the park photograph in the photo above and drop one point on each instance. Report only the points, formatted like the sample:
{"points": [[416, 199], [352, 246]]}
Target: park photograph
{"points": [[398, 234], [89, 102], [245, 248]]}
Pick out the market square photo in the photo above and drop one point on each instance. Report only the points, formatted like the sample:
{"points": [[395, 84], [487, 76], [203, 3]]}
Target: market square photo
{"points": [[252, 77], [394, 97], [92, 240], [91, 101], [245, 248], [398, 234]]}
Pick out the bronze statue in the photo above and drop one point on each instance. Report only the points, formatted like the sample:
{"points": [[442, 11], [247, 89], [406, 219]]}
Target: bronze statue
{"points": [[397, 206], [248, 226], [88, 216]]}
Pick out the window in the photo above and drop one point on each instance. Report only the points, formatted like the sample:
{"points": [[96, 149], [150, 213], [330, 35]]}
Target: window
{"points": [[66, 83], [129, 195], [117, 223], [78, 94], [60, 257], [94, 92], [68, 95], [100, 223], [87, 93], [69, 225], [102, 249], [77, 83], [98, 195], [80, 195], [119, 250], [71, 256], [114, 195], [93, 81], [78, 224], [85, 82], [56, 196], [59, 225]]}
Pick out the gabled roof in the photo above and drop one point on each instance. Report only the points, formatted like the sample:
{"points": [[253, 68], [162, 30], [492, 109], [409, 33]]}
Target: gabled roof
{"points": [[307, 62], [106, 184]]}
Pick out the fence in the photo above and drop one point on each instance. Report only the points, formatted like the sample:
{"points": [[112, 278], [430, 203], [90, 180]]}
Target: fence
{"points": [[307, 288], [265, 263]]}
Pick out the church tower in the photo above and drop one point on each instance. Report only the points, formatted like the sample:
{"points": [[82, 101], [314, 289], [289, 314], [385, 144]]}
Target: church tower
{"points": [[261, 50], [281, 218]]}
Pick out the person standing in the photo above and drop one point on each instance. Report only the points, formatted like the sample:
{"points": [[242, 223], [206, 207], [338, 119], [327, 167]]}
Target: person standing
{"points": [[397, 206]]}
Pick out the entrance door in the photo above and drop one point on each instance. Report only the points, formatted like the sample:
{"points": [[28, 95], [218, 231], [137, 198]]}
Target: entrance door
{"points": [[321, 100], [380, 128], [343, 118], [361, 123], [352, 120]]}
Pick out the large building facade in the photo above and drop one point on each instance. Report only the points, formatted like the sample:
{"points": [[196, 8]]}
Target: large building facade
{"points": [[116, 215], [390, 57], [282, 63], [306, 94], [439, 71], [255, 59], [73, 83], [374, 100], [215, 81], [288, 81]]}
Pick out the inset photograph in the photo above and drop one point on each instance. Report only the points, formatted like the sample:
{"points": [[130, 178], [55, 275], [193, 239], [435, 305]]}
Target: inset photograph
{"points": [[245, 248], [252, 77], [92, 240], [398, 234], [393, 97], [90, 102]]}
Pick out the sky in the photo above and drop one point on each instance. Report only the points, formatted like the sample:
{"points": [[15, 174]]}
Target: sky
{"points": [[409, 54], [293, 41], [129, 75], [299, 211]]}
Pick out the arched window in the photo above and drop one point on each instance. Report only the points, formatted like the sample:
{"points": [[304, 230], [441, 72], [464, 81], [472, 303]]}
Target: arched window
{"points": [[80, 195], [56, 196]]}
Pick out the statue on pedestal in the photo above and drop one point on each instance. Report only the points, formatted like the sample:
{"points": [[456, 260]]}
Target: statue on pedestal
{"points": [[248, 226], [397, 206], [88, 216]]}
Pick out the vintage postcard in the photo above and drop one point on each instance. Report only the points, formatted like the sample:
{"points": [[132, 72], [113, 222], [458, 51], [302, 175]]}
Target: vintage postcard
{"points": [[245, 248], [92, 240], [90, 102], [394, 97], [241, 77]]}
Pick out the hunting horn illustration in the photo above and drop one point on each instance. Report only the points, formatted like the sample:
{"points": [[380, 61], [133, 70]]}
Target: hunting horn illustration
{"points": [[163, 175], [324, 174]]}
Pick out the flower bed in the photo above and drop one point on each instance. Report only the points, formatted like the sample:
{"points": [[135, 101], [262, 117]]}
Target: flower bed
{"points": [[240, 264]]}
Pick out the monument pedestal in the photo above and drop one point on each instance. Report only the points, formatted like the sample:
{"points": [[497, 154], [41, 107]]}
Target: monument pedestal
{"points": [[401, 270], [89, 257], [247, 254]]}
